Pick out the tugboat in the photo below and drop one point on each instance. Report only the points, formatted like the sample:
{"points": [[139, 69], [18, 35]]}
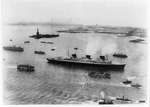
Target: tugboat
{"points": [[87, 62], [13, 48], [136, 85], [103, 100], [127, 81], [27, 67], [39, 36], [99, 74], [120, 55], [123, 99], [39, 52]]}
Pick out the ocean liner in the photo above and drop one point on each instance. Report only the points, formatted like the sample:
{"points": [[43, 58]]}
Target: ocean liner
{"points": [[87, 61]]}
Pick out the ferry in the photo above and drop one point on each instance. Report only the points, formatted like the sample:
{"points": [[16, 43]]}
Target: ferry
{"points": [[13, 48], [23, 67]]}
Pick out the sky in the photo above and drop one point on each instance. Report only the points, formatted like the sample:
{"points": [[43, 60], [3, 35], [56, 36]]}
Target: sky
{"points": [[89, 12]]}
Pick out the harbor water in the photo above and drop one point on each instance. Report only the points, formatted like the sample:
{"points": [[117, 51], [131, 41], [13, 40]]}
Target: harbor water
{"points": [[63, 84]]}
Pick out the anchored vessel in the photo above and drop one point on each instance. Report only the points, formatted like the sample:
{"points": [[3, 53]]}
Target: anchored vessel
{"points": [[13, 48], [39, 52], [23, 67], [99, 75], [136, 85], [87, 61], [38, 35], [123, 99], [120, 55]]}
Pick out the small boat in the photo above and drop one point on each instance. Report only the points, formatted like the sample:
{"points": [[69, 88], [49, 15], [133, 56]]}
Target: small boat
{"points": [[53, 49], [39, 52], [10, 39], [23, 67], [123, 99], [27, 42], [76, 47], [43, 42], [49, 42], [136, 85], [127, 81]]}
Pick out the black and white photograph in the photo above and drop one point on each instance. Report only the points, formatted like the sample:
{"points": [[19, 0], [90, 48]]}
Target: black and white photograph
{"points": [[74, 52]]}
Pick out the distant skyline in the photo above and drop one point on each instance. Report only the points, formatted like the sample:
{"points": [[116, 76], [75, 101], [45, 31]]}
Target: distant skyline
{"points": [[88, 12]]}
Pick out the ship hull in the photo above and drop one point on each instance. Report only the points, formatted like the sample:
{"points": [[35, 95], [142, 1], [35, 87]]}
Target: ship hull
{"points": [[87, 64]]}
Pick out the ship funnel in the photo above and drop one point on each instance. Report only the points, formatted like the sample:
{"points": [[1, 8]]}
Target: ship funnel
{"points": [[102, 57], [88, 56], [74, 55]]}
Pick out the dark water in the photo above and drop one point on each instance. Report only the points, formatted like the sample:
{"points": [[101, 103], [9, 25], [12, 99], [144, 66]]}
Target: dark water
{"points": [[57, 84]]}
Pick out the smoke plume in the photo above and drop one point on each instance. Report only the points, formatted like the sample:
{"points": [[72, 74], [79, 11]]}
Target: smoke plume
{"points": [[99, 44]]}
